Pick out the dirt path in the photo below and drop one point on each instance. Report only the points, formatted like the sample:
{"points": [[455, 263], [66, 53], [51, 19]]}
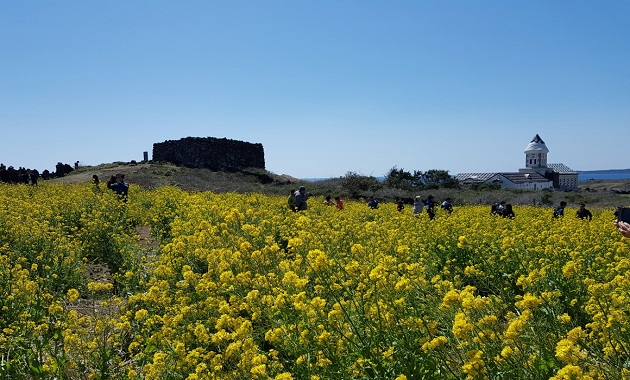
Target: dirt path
{"points": [[99, 272], [146, 240]]}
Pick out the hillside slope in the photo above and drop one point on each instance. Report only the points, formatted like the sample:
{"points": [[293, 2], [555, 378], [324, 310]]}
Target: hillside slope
{"points": [[596, 193], [151, 175]]}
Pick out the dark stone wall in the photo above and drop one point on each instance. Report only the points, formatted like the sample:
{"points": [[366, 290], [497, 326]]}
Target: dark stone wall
{"points": [[211, 153]]}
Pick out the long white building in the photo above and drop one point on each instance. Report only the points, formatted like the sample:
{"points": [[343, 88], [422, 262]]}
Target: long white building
{"points": [[536, 175]]}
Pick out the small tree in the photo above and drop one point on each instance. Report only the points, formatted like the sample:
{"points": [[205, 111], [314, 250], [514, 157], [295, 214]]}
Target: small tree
{"points": [[355, 183], [436, 178], [417, 180], [399, 179]]}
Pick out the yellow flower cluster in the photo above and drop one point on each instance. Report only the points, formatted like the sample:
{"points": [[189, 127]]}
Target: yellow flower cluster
{"points": [[238, 286]]}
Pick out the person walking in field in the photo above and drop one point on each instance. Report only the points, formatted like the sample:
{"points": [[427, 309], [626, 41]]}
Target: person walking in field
{"points": [[120, 187], [328, 201], [447, 205], [300, 199], [32, 176], [583, 213], [508, 212], [400, 205], [338, 203], [291, 200], [418, 205], [558, 212], [430, 206], [497, 208], [372, 202]]}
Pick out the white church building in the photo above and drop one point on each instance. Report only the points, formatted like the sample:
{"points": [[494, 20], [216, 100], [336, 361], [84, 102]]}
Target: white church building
{"points": [[536, 175]]}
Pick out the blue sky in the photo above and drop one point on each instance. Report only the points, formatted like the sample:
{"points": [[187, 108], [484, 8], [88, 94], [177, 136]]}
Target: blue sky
{"points": [[326, 86]]}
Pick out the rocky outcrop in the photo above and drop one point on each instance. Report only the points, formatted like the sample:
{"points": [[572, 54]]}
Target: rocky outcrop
{"points": [[210, 153]]}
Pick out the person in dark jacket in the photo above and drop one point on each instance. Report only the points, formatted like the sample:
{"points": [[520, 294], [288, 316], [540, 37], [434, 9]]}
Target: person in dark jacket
{"points": [[558, 212], [300, 199], [400, 205], [507, 211], [372, 202], [583, 212], [120, 187], [430, 206]]}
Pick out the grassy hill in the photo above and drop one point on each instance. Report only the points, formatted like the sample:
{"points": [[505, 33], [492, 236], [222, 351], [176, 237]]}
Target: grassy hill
{"points": [[595, 193]]}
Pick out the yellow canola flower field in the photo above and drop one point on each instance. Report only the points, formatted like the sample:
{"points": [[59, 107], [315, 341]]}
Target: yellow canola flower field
{"points": [[236, 286]]}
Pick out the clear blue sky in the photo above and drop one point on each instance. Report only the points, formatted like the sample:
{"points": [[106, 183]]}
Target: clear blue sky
{"points": [[326, 86]]}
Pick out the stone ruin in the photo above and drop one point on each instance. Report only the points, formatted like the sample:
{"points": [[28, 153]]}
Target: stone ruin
{"points": [[210, 153]]}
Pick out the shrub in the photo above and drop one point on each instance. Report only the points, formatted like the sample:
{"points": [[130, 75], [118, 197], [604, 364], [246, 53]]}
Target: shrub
{"points": [[355, 183]]}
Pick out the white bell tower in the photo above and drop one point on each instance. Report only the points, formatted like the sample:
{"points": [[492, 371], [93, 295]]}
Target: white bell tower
{"points": [[536, 154]]}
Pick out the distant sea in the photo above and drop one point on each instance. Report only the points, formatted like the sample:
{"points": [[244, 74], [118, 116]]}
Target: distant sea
{"points": [[603, 174]]}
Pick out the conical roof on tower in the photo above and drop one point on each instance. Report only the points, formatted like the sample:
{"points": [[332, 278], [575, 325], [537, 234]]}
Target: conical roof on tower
{"points": [[537, 145]]}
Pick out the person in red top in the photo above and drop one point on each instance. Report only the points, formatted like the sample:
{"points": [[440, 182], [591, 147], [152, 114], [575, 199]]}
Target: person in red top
{"points": [[339, 203]]}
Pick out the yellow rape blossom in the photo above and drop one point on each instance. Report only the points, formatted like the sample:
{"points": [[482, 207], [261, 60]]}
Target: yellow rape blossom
{"points": [[73, 295], [226, 289], [435, 343]]}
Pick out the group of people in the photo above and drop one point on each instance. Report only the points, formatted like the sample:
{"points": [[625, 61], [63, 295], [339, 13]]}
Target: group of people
{"points": [[297, 201], [21, 175], [419, 205], [503, 209], [581, 213], [337, 202], [430, 204], [115, 183], [119, 186]]}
